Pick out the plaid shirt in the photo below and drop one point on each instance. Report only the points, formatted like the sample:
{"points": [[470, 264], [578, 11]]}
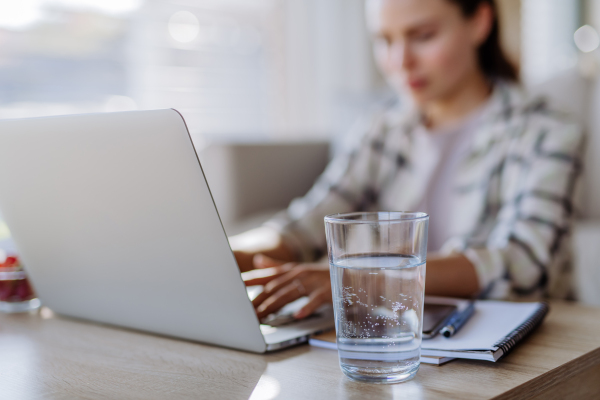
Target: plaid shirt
{"points": [[513, 204]]}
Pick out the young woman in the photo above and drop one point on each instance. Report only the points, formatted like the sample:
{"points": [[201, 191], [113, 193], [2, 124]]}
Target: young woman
{"points": [[494, 169]]}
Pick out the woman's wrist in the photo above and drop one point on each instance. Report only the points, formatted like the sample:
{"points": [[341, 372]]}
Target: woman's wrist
{"points": [[262, 240], [453, 276]]}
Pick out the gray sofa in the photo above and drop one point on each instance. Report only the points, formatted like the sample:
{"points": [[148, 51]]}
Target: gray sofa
{"points": [[252, 181]]}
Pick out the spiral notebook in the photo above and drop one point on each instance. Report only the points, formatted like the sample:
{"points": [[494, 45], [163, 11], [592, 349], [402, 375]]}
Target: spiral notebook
{"points": [[491, 333], [493, 330]]}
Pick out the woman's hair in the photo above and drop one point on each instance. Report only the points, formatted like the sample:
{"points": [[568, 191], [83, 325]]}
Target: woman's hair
{"points": [[492, 60]]}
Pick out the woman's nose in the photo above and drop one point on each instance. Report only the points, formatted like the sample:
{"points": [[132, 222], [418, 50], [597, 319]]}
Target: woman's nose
{"points": [[399, 56]]}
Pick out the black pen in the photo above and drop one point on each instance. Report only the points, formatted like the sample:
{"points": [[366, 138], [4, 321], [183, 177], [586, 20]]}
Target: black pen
{"points": [[458, 320]]}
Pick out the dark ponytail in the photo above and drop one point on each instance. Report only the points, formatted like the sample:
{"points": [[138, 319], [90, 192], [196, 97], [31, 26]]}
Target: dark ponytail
{"points": [[492, 60]]}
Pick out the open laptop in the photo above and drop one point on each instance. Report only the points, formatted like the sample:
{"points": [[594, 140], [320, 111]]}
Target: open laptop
{"points": [[114, 221]]}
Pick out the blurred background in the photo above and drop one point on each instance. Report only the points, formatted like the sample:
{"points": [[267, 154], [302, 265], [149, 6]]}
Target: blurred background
{"points": [[266, 83], [237, 69]]}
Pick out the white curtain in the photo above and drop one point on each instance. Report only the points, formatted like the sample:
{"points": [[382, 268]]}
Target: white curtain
{"points": [[309, 69], [547, 28]]}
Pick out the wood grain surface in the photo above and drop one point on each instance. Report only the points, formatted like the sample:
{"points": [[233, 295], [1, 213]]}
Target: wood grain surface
{"points": [[43, 356]]}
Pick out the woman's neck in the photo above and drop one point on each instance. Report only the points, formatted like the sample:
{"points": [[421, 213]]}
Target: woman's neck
{"points": [[469, 96]]}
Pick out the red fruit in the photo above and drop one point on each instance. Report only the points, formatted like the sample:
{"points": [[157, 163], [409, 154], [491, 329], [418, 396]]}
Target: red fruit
{"points": [[23, 290], [10, 262], [5, 290]]}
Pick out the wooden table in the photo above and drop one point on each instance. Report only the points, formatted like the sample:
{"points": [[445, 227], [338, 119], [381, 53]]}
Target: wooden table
{"points": [[43, 356]]}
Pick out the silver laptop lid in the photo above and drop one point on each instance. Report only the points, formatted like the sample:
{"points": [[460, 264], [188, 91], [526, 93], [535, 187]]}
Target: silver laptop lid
{"points": [[114, 221]]}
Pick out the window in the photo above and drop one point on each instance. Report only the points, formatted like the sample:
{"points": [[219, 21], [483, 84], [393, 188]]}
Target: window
{"points": [[236, 69]]}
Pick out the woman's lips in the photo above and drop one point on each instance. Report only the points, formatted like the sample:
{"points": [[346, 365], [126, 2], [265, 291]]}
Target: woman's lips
{"points": [[417, 84]]}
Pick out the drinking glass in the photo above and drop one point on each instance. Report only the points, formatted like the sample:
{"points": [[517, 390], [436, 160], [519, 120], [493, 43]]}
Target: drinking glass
{"points": [[377, 265]]}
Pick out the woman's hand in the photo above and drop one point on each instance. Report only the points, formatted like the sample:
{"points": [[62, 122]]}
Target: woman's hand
{"points": [[287, 282], [257, 241]]}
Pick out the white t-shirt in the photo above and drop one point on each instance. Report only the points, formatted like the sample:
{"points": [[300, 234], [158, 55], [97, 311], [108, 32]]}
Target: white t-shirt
{"points": [[452, 145]]}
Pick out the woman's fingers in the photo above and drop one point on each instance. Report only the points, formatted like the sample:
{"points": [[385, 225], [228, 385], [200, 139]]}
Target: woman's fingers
{"points": [[275, 302], [288, 282], [317, 298], [265, 275], [276, 284]]}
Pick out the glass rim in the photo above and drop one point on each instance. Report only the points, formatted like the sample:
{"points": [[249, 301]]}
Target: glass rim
{"points": [[346, 218]]}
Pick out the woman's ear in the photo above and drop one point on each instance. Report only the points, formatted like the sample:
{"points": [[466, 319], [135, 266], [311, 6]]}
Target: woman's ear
{"points": [[481, 23]]}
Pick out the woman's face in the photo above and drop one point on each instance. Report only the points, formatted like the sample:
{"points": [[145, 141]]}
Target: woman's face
{"points": [[427, 48]]}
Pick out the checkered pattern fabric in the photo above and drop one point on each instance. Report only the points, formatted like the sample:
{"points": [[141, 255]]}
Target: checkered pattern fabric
{"points": [[514, 193]]}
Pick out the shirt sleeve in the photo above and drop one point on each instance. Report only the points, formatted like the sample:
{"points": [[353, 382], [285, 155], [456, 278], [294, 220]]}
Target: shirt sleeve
{"points": [[526, 250], [343, 187]]}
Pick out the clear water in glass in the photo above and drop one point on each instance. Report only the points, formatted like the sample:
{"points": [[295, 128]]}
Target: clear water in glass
{"points": [[378, 302]]}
